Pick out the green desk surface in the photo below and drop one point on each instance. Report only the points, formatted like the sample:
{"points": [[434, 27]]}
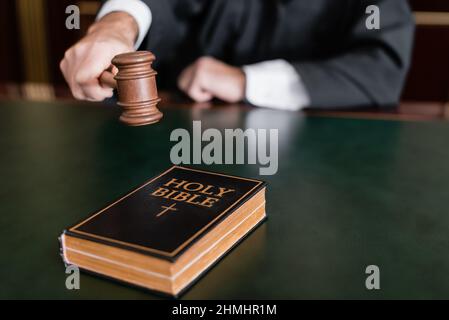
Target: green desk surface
{"points": [[348, 193]]}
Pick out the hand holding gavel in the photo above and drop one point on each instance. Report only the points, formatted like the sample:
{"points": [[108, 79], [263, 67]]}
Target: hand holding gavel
{"points": [[136, 86], [84, 64]]}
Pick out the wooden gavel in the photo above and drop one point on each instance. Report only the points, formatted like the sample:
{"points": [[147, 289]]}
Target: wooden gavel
{"points": [[136, 86]]}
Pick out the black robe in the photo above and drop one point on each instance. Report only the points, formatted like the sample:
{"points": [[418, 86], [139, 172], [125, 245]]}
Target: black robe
{"points": [[342, 63]]}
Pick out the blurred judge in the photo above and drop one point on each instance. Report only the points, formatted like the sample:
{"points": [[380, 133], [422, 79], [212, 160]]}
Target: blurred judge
{"points": [[285, 54]]}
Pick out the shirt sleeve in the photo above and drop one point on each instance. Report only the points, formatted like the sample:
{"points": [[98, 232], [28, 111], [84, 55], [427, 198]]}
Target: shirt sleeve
{"points": [[275, 84], [135, 8]]}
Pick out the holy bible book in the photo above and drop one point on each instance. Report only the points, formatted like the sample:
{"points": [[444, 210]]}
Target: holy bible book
{"points": [[169, 231]]}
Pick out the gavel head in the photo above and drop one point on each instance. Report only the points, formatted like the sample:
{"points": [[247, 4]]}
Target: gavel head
{"points": [[136, 86]]}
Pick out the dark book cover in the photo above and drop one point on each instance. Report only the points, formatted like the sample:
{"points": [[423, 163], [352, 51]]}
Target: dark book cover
{"points": [[169, 213]]}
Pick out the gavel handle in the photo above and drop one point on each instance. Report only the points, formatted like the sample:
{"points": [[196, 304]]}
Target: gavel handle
{"points": [[107, 80]]}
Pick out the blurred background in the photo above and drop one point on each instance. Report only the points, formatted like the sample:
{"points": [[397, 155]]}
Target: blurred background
{"points": [[33, 39]]}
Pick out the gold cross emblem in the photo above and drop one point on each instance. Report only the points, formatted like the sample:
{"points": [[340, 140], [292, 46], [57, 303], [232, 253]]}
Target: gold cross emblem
{"points": [[166, 209]]}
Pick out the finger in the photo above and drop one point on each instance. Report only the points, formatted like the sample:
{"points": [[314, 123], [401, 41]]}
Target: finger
{"points": [[185, 78], [93, 91], [190, 83], [66, 69], [114, 69], [197, 92], [90, 69], [87, 78]]}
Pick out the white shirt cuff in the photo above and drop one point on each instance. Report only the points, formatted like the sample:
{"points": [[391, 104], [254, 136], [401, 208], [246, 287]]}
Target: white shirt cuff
{"points": [[275, 84], [135, 8]]}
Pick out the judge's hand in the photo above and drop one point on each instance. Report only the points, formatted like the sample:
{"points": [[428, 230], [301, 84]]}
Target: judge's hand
{"points": [[209, 78], [84, 62]]}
